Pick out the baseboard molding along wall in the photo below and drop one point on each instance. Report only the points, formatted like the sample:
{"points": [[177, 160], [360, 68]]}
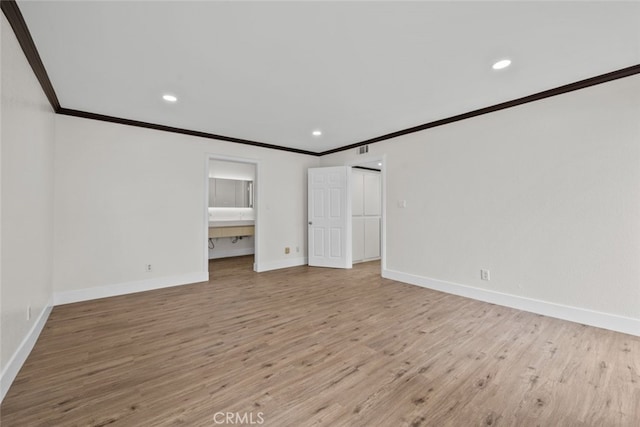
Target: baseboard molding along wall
{"points": [[232, 252], [574, 314], [285, 263], [78, 295], [14, 364], [584, 316]]}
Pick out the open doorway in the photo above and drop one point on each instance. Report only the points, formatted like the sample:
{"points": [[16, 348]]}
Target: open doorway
{"points": [[346, 214], [231, 214], [368, 210]]}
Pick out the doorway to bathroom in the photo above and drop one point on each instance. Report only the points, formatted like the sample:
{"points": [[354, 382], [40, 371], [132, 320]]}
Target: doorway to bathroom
{"points": [[231, 214]]}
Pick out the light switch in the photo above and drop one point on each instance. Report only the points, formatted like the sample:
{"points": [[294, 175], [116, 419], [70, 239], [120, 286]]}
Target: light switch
{"points": [[402, 203]]}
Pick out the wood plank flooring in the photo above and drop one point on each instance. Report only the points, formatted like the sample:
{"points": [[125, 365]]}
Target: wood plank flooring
{"points": [[319, 347]]}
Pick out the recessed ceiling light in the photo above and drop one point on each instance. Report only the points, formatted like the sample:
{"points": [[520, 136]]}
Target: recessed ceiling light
{"points": [[503, 63], [169, 98], [379, 163], [316, 132]]}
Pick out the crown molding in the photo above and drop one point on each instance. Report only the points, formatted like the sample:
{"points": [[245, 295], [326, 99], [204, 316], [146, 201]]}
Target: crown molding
{"points": [[15, 18], [582, 84], [137, 123]]}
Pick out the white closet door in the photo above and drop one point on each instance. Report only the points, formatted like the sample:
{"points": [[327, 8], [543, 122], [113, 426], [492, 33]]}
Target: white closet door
{"points": [[357, 193], [358, 239], [372, 194], [371, 238]]}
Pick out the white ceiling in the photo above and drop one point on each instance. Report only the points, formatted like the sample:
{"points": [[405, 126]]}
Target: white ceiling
{"points": [[274, 71]]}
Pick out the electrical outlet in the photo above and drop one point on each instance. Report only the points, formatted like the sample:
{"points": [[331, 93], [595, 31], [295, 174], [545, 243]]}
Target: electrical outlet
{"points": [[287, 250], [297, 248], [29, 312], [485, 275], [148, 268]]}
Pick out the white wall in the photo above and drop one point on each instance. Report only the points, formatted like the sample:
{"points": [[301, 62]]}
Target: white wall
{"points": [[545, 195], [27, 206], [224, 247], [127, 197], [232, 170]]}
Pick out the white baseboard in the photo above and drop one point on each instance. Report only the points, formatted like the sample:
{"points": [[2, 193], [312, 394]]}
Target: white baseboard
{"points": [[584, 316], [68, 297], [16, 361], [366, 260], [24, 349], [285, 263], [233, 252]]}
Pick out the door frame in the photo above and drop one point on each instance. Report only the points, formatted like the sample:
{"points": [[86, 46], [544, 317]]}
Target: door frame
{"points": [[381, 158], [256, 205]]}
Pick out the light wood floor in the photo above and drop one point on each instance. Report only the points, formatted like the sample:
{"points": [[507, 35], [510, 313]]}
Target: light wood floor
{"points": [[309, 346]]}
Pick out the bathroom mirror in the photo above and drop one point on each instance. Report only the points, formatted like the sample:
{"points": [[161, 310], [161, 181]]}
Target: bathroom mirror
{"points": [[230, 193]]}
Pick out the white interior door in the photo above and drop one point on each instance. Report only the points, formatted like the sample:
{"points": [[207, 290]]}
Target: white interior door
{"points": [[329, 217]]}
